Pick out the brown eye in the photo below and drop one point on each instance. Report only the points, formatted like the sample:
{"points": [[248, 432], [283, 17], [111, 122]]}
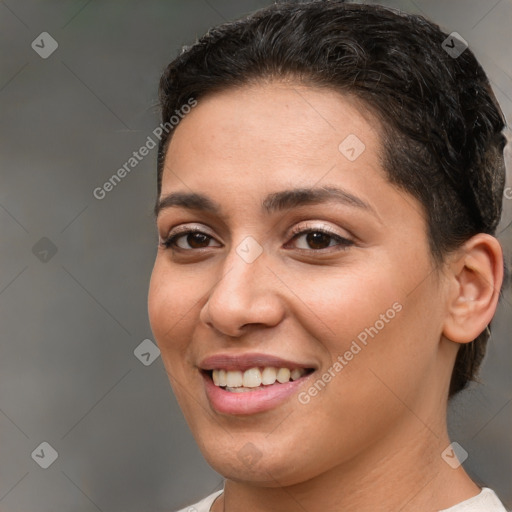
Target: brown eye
{"points": [[319, 239], [194, 238], [197, 240]]}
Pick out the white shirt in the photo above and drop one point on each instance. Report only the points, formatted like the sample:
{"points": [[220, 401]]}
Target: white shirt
{"points": [[485, 501]]}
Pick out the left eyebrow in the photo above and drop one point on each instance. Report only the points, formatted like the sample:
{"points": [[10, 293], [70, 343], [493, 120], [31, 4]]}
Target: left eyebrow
{"points": [[274, 202], [293, 198]]}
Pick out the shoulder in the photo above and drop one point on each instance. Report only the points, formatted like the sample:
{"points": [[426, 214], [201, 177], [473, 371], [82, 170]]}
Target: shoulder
{"points": [[485, 501], [203, 505]]}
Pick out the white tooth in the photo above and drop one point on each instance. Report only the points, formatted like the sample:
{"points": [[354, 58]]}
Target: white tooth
{"points": [[268, 375], [234, 379], [283, 375], [252, 378], [297, 373]]}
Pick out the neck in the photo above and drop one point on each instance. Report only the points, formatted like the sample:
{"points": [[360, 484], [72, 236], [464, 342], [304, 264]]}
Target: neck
{"points": [[404, 471]]}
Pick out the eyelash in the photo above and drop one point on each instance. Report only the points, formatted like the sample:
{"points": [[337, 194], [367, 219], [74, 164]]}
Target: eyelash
{"points": [[170, 241]]}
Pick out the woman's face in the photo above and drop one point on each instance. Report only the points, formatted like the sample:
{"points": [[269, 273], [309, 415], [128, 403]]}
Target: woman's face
{"points": [[356, 303]]}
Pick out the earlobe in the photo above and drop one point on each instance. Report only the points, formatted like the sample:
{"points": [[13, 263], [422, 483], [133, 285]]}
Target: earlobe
{"points": [[475, 278]]}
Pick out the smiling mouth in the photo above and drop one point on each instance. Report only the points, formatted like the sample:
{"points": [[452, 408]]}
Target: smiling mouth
{"points": [[254, 379]]}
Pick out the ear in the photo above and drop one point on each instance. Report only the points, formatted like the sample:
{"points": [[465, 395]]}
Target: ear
{"points": [[475, 275]]}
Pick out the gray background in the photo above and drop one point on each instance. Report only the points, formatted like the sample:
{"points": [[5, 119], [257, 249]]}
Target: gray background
{"points": [[70, 325]]}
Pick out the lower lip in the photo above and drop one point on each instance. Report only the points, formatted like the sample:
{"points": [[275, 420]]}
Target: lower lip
{"points": [[250, 402]]}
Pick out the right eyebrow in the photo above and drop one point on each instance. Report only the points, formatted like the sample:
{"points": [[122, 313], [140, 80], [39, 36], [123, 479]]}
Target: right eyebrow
{"points": [[190, 200]]}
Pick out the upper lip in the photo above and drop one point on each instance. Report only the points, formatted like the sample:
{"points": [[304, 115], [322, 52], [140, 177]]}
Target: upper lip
{"points": [[243, 362]]}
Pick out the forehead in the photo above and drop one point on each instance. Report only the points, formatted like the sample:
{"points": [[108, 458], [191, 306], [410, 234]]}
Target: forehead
{"points": [[275, 132]]}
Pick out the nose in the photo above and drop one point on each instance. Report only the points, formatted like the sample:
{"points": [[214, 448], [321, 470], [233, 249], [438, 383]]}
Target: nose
{"points": [[244, 294]]}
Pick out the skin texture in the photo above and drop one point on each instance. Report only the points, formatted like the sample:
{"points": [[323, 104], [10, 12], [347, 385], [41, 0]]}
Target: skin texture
{"points": [[372, 438]]}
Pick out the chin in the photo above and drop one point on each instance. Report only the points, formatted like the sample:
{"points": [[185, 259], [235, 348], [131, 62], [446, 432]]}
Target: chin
{"points": [[258, 462]]}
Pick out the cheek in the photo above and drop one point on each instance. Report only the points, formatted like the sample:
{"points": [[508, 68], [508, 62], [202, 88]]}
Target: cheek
{"points": [[171, 313], [346, 304], [171, 301], [372, 323]]}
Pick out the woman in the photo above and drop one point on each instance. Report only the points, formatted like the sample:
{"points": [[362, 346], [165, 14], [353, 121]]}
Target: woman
{"points": [[327, 270]]}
